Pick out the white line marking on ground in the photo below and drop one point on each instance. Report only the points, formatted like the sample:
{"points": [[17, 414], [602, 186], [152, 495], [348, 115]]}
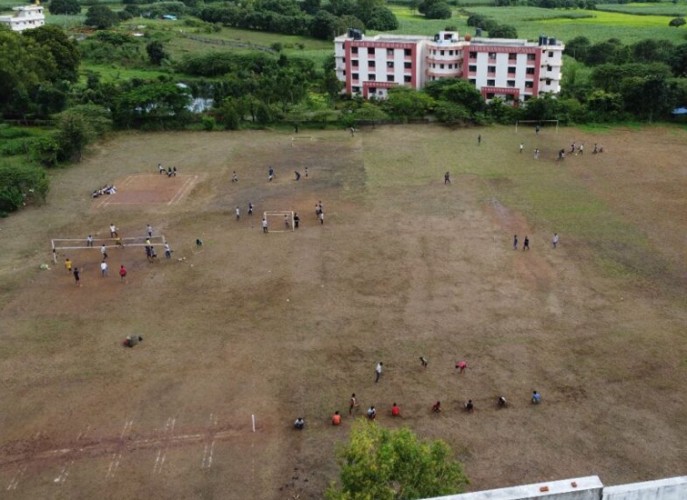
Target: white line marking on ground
{"points": [[14, 482]]}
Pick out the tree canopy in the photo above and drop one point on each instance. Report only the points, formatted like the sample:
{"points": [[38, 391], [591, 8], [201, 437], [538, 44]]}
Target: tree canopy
{"points": [[384, 464]]}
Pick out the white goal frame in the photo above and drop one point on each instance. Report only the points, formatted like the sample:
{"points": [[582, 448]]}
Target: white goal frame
{"points": [[298, 138], [58, 244], [535, 122], [279, 216]]}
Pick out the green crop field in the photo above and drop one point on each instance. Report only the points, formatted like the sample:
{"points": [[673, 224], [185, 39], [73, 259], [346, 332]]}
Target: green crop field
{"points": [[646, 9]]}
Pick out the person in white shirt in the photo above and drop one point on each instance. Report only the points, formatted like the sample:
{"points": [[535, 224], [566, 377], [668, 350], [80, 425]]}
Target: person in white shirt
{"points": [[103, 269], [378, 371]]}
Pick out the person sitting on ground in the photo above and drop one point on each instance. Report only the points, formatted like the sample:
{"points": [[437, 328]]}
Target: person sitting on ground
{"points": [[536, 398], [469, 407], [436, 407], [132, 340], [501, 402], [371, 413], [336, 418], [299, 424], [395, 411]]}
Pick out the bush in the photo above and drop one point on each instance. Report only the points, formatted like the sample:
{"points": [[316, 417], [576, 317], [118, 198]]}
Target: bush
{"points": [[20, 185], [208, 123], [677, 22], [68, 7]]}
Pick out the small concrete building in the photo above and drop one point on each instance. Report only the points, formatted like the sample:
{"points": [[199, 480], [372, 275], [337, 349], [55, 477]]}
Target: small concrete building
{"points": [[26, 17]]}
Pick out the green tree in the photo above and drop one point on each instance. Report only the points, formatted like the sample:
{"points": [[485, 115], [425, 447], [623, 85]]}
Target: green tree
{"points": [[578, 48], [503, 31], [677, 22], [20, 185], [407, 103], [156, 52], [77, 127], [435, 9], [324, 25], [384, 464], [64, 7], [64, 51], [100, 17], [459, 92]]}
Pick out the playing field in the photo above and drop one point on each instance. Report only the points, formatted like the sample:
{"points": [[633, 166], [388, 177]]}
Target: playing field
{"points": [[289, 324]]}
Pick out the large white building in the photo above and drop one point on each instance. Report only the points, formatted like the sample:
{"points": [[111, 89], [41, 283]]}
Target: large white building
{"points": [[514, 70], [26, 17]]}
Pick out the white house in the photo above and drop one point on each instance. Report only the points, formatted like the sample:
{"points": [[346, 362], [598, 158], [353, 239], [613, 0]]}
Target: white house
{"points": [[26, 17]]}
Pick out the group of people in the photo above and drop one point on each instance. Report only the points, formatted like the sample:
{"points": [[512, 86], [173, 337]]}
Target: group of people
{"points": [[106, 189], [468, 406], [169, 171], [555, 239]]}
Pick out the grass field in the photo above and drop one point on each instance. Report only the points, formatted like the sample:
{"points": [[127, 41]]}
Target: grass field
{"points": [[289, 324], [647, 9]]}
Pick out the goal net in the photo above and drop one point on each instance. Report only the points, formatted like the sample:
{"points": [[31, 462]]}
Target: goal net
{"points": [[279, 221], [61, 244], [296, 139], [533, 124]]}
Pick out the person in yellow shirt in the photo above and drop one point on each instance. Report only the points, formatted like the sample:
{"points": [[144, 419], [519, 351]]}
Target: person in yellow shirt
{"points": [[336, 418], [68, 265]]}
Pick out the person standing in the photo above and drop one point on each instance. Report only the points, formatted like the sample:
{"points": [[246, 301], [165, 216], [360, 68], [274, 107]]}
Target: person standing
{"points": [[526, 244], [122, 273], [336, 418], [353, 404], [515, 242], [270, 174], [469, 407], [296, 220], [299, 423], [371, 413], [461, 366], [298, 175], [113, 231], [321, 217], [103, 269], [264, 225], [536, 153], [395, 411], [423, 361], [89, 241], [68, 265], [77, 276], [103, 251], [250, 208], [378, 371], [522, 147], [479, 139], [554, 240], [536, 398], [149, 230], [168, 251], [234, 177], [536, 129], [238, 213], [447, 178]]}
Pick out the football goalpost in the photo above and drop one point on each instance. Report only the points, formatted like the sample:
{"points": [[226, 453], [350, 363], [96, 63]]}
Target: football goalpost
{"points": [[535, 123], [61, 244], [279, 221]]}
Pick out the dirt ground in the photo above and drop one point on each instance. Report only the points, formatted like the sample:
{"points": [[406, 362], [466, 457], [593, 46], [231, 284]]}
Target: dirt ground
{"points": [[289, 324]]}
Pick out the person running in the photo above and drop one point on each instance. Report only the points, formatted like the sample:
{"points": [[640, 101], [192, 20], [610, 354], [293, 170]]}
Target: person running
{"points": [[250, 208], [298, 175], [378, 371], [515, 242], [270, 174], [321, 217], [536, 154], [160, 169], [77, 276], [238, 213], [336, 418], [234, 177], [113, 231], [353, 404], [68, 265], [526, 244], [436, 407], [122, 273], [423, 361], [371, 413], [264, 225], [554, 240], [168, 251], [149, 230], [103, 251], [501, 402], [447, 178], [103, 269]]}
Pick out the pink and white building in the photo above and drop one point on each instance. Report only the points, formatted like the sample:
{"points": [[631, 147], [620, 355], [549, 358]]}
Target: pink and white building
{"points": [[514, 70], [25, 17]]}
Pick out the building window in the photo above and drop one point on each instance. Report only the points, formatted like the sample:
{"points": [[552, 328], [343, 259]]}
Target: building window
{"points": [[492, 55], [549, 68], [490, 95], [473, 54], [450, 52], [389, 78], [344, 72], [355, 89], [390, 64], [530, 71], [472, 81], [407, 52], [441, 53], [355, 76], [441, 66], [407, 65], [510, 83], [511, 69], [354, 63], [548, 81], [529, 85], [472, 67], [390, 52], [354, 50], [528, 97], [551, 54], [407, 79], [491, 83], [491, 69], [371, 51], [371, 64], [530, 57], [373, 90], [512, 57], [372, 77]]}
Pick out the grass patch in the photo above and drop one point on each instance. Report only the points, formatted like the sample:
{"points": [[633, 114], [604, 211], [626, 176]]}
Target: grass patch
{"points": [[647, 9]]}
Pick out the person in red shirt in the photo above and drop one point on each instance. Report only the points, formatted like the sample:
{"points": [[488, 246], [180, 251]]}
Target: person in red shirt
{"points": [[122, 272], [336, 418], [436, 407], [395, 411]]}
